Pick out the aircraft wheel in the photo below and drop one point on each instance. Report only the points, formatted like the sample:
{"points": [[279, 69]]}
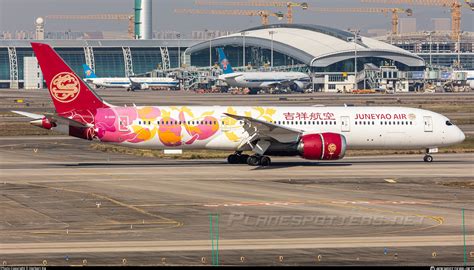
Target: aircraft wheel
{"points": [[428, 158], [243, 159], [265, 161], [253, 160], [233, 159]]}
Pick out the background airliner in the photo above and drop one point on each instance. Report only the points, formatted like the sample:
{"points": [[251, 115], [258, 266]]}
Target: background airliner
{"points": [[314, 133], [296, 81], [132, 83]]}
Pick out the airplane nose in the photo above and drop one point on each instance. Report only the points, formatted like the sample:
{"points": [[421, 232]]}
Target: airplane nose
{"points": [[462, 137]]}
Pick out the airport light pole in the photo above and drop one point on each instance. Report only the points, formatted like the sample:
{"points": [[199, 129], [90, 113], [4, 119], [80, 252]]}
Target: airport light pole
{"points": [[210, 47], [459, 49], [430, 34], [243, 47], [271, 34], [356, 36], [179, 49]]}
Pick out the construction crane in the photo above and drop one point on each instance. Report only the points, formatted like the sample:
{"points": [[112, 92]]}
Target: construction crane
{"points": [[395, 13], [288, 5], [264, 14], [129, 17], [454, 6]]}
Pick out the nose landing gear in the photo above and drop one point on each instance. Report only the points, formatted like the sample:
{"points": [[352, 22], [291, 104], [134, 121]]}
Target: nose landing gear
{"points": [[428, 158]]}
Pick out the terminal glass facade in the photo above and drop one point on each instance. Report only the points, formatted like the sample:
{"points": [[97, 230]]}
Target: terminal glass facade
{"points": [[109, 62], [4, 64], [348, 65], [74, 57], [145, 59], [254, 56], [447, 60]]}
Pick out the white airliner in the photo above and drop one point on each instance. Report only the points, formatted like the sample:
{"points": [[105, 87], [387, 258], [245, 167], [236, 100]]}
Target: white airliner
{"points": [[132, 83], [313, 133], [296, 81]]}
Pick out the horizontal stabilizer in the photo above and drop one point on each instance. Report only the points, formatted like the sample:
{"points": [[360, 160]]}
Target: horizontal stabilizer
{"points": [[53, 118], [29, 115]]}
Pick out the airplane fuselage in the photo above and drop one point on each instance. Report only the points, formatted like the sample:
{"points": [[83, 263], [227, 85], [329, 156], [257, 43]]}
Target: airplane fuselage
{"points": [[125, 82], [264, 79], [207, 127]]}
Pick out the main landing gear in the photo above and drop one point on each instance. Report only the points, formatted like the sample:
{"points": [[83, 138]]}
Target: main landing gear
{"points": [[237, 158], [254, 160]]}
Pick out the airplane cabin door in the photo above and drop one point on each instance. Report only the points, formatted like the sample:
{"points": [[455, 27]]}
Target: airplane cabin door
{"points": [[345, 124], [123, 123], [428, 121]]}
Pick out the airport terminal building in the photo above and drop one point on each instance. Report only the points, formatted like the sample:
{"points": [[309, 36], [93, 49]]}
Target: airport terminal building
{"points": [[320, 48], [327, 53]]}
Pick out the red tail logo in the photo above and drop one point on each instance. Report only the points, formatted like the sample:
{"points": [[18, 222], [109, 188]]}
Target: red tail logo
{"points": [[65, 87], [71, 96]]}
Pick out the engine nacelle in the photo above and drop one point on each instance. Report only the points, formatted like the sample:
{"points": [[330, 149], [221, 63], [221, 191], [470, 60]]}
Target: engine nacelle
{"points": [[144, 86], [322, 146], [43, 123], [297, 86]]}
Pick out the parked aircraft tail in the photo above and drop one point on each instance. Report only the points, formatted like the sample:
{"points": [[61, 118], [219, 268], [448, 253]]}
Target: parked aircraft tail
{"points": [[88, 72], [225, 65]]}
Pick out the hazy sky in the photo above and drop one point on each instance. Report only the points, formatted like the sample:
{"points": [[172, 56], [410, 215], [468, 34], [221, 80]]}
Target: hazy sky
{"points": [[21, 14]]}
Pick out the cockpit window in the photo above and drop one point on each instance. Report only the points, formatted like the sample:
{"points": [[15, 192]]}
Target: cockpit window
{"points": [[448, 123]]}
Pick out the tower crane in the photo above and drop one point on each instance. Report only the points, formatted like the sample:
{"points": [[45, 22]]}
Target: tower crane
{"points": [[264, 14], [394, 11], [129, 17], [454, 6], [288, 5]]}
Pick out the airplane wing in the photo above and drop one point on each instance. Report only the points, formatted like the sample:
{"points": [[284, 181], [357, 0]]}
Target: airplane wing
{"points": [[273, 84], [229, 76], [286, 83], [264, 130]]}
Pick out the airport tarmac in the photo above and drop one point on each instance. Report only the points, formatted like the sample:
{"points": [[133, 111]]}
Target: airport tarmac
{"points": [[63, 203]]}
